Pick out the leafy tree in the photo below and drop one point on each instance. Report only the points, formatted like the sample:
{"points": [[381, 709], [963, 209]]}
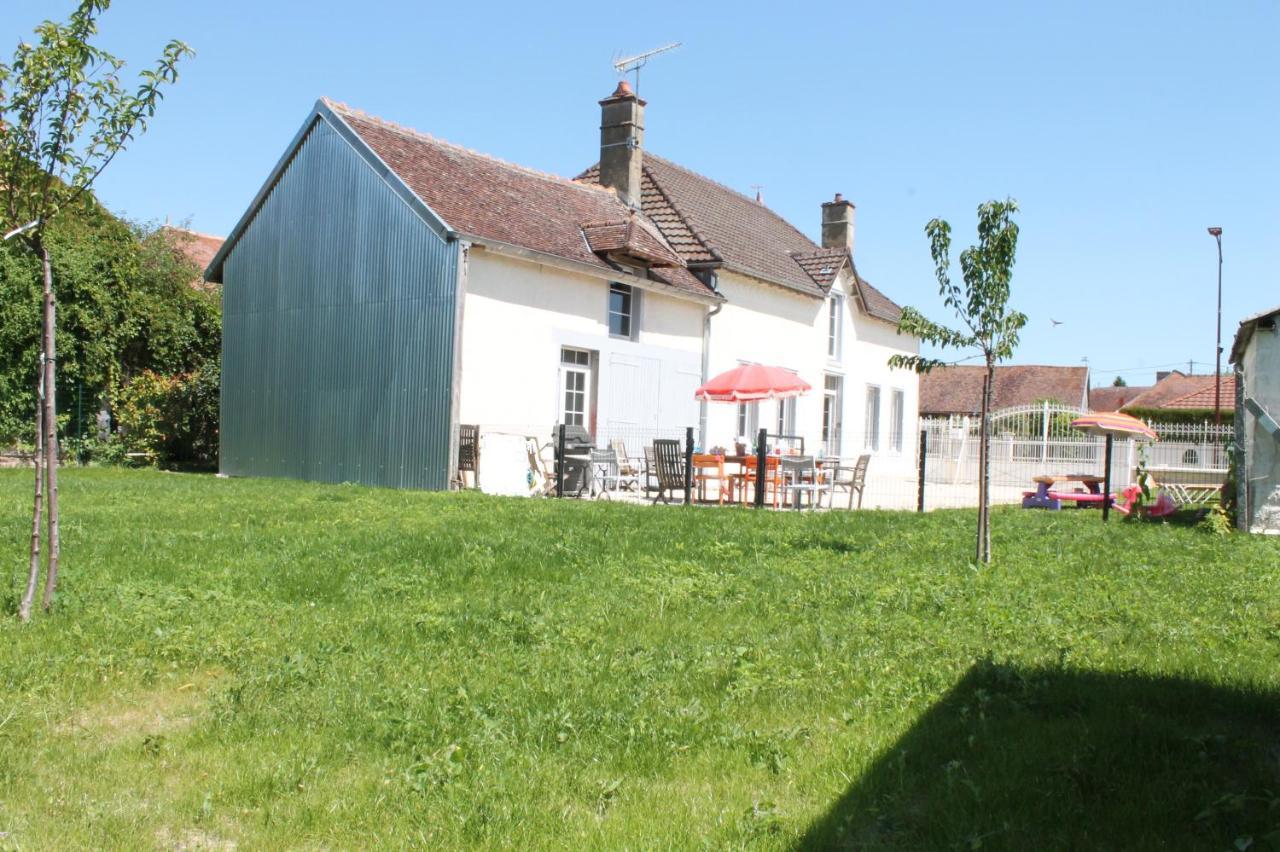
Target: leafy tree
{"points": [[64, 116], [982, 305], [1119, 382]]}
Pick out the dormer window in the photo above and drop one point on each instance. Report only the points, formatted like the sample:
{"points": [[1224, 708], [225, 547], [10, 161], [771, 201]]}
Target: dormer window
{"points": [[622, 313]]}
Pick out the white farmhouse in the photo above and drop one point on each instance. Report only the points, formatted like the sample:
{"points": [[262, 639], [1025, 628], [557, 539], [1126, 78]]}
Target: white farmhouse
{"points": [[385, 287]]}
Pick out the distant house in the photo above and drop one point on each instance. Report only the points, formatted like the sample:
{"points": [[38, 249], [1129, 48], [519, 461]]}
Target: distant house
{"points": [[199, 248], [385, 286], [1256, 354], [957, 391], [1179, 394], [1113, 398]]}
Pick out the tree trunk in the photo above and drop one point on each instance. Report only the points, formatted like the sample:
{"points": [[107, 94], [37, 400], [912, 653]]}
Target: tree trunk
{"points": [[50, 428], [33, 570], [984, 460]]}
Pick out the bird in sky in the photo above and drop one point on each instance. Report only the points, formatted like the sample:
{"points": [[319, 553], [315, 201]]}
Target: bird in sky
{"points": [[1055, 322]]}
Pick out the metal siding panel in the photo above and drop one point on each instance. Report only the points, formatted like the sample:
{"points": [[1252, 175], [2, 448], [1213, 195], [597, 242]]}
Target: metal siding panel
{"points": [[338, 331]]}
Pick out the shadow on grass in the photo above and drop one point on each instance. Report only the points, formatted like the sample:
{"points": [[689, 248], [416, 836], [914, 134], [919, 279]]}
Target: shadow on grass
{"points": [[1014, 758]]}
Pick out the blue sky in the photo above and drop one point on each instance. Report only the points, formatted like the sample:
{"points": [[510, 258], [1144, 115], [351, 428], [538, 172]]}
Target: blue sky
{"points": [[1123, 129]]}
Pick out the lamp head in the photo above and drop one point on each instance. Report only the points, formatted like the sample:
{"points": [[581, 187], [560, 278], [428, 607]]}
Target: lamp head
{"points": [[1215, 232]]}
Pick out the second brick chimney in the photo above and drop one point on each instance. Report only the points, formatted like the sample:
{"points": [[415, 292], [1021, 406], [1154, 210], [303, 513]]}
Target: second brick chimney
{"points": [[837, 223], [621, 140]]}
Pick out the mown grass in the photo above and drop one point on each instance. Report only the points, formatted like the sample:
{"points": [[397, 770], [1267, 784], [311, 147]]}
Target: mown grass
{"points": [[277, 664]]}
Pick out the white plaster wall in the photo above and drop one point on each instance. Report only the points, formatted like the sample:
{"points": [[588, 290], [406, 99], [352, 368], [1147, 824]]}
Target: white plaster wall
{"points": [[517, 315], [767, 324], [1262, 383]]}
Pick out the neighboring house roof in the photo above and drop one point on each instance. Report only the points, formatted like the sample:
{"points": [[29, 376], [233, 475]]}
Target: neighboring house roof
{"points": [[484, 198], [1179, 390], [199, 248], [1112, 398], [1247, 327], [958, 390], [1203, 397], [708, 223]]}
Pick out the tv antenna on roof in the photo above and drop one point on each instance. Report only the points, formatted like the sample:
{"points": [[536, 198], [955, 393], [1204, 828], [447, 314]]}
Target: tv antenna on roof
{"points": [[635, 63]]}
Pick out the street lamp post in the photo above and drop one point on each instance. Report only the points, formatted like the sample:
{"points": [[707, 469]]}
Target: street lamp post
{"points": [[1216, 233]]}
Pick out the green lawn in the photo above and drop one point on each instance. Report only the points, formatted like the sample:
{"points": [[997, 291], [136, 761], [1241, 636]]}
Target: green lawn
{"points": [[277, 664]]}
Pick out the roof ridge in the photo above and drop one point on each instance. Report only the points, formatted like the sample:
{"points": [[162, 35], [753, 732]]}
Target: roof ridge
{"points": [[410, 132], [748, 199], [194, 233]]}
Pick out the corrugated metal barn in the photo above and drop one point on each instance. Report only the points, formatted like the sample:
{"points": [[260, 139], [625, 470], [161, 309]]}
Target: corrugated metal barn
{"points": [[340, 311]]}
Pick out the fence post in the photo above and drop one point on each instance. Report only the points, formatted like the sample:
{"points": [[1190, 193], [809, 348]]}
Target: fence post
{"points": [[560, 460], [924, 449], [1044, 437], [762, 452], [1106, 481], [688, 465]]}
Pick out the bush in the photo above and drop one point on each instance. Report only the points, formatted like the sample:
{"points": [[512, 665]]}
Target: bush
{"points": [[173, 420]]}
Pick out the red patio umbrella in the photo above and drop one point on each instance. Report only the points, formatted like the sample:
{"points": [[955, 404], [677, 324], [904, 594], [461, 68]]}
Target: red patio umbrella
{"points": [[752, 382], [1111, 424]]}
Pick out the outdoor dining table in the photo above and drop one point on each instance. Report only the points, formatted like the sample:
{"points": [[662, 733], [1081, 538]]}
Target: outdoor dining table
{"points": [[747, 462]]}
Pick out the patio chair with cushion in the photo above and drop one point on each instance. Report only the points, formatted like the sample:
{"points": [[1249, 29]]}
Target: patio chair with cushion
{"points": [[542, 474], [668, 463], [628, 466], [851, 478]]}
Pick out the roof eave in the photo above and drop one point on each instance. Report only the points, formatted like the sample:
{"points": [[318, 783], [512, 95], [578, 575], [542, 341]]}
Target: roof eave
{"points": [[323, 112]]}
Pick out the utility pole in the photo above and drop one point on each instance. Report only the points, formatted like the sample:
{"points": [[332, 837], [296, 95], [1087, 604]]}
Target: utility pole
{"points": [[1216, 233]]}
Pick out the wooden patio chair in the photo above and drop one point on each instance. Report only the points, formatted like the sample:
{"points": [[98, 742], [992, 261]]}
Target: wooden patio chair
{"points": [[468, 455], [668, 462], [772, 479], [650, 470], [709, 468], [851, 478]]}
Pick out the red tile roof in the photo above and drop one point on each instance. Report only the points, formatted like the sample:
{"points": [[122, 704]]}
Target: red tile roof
{"points": [[1179, 390], [487, 198], [632, 238], [1203, 397], [958, 390], [199, 249], [709, 223], [1112, 398]]}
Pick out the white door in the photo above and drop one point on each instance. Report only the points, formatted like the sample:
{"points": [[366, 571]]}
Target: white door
{"points": [[575, 387]]}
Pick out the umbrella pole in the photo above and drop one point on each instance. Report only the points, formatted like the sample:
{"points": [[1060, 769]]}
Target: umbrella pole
{"points": [[1106, 481]]}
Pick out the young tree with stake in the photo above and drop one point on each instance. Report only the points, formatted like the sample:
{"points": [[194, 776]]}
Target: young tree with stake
{"points": [[64, 115], [990, 326]]}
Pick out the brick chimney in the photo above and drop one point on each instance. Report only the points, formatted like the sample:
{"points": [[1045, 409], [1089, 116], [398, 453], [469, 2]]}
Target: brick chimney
{"points": [[621, 140], [837, 223]]}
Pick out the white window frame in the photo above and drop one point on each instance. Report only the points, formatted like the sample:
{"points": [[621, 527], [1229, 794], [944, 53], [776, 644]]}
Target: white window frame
{"points": [[897, 419], [871, 438], [748, 421], [576, 367], [785, 417], [632, 317], [835, 326]]}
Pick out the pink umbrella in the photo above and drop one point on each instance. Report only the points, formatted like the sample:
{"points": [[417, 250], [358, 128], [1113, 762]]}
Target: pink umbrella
{"points": [[752, 382]]}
